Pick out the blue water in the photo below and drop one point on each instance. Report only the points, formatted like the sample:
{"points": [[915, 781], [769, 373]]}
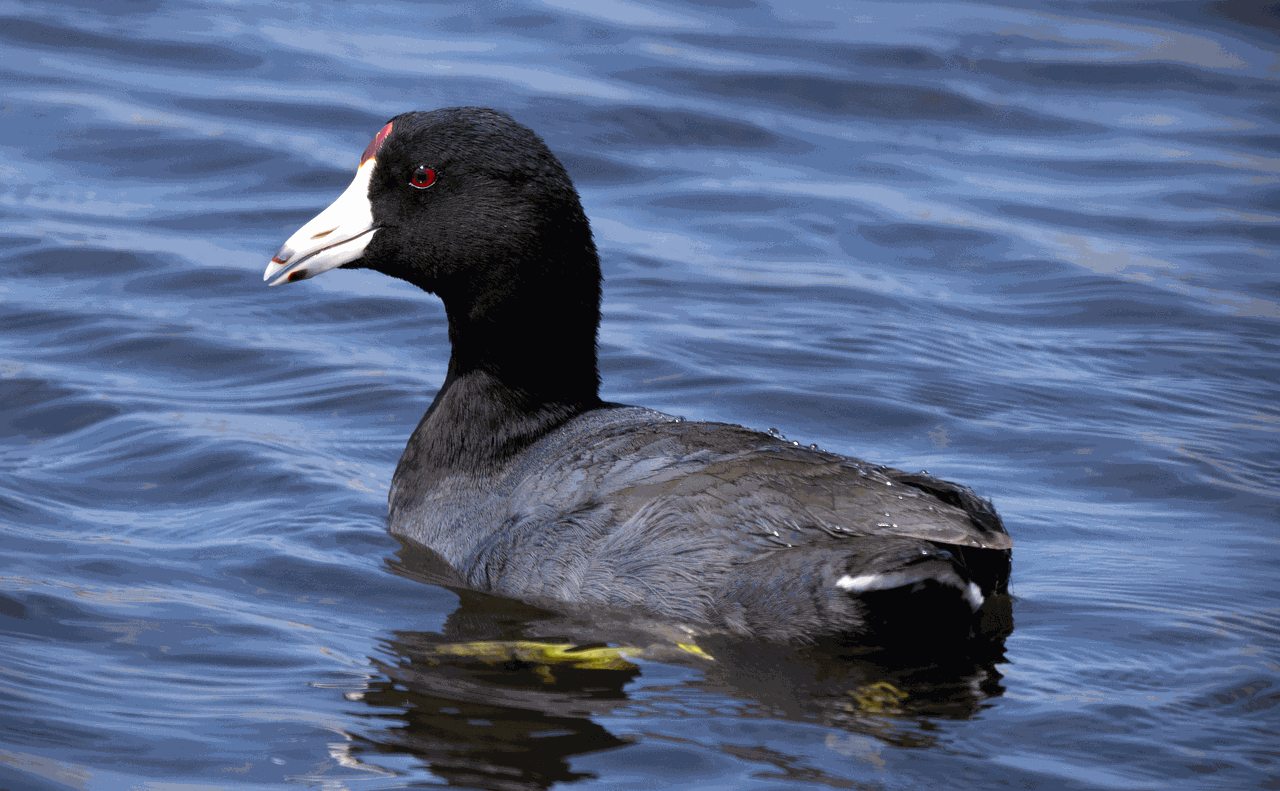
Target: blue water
{"points": [[1033, 251]]}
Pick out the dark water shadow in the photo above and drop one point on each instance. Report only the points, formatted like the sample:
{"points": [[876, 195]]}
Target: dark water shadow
{"points": [[508, 693]]}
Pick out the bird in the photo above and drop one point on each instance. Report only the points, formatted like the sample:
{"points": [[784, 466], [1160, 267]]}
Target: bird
{"points": [[529, 485]]}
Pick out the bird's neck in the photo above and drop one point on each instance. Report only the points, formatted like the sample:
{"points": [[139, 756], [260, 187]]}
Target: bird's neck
{"points": [[523, 362], [535, 346]]}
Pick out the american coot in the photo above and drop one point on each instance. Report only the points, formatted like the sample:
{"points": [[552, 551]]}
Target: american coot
{"points": [[529, 485]]}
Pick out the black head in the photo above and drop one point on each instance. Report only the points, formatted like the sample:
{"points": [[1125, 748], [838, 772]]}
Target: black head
{"points": [[469, 204], [499, 215]]}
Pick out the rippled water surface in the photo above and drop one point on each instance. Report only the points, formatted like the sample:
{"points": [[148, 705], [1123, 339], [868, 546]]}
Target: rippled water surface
{"points": [[1030, 250]]}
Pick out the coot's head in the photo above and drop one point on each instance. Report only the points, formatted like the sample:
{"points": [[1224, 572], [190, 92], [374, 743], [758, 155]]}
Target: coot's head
{"points": [[463, 202]]}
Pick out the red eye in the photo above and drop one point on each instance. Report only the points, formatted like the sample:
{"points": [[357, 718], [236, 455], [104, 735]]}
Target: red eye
{"points": [[423, 177]]}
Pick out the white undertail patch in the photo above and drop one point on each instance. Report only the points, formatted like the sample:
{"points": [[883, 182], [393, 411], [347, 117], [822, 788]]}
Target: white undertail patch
{"points": [[873, 582], [857, 584], [974, 595]]}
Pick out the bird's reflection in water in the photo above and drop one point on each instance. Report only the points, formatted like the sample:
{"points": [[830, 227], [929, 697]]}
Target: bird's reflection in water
{"points": [[504, 696]]}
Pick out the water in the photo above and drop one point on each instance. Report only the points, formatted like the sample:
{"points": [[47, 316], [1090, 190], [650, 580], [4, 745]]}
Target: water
{"points": [[1030, 250]]}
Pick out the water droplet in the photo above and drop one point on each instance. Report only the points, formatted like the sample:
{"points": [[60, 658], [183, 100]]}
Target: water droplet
{"points": [[679, 418], [773, 432], [923, 472], [814, 446], [795, 442]]}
